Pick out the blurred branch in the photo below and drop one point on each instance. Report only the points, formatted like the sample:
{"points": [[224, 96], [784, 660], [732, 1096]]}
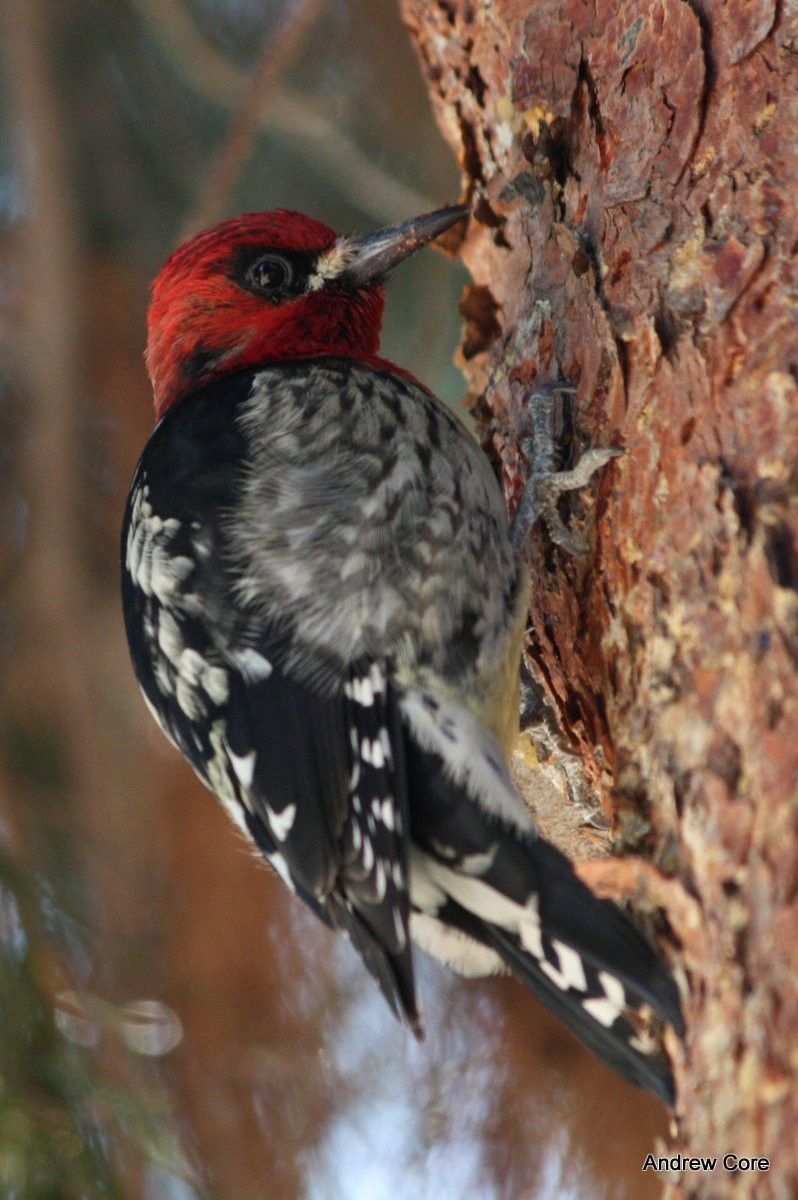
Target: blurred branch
{"points": [[276, 59], [59, 697], [353, 173], [53, 606], [295, 118]]}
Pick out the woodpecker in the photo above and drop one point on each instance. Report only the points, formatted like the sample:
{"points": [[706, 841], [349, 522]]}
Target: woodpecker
{"points": [[325, 615]]}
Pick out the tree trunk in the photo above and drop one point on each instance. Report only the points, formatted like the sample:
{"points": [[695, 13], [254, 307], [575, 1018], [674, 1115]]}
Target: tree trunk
{"points": [[634, 171]]}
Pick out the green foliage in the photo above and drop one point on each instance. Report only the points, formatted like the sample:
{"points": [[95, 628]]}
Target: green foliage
{"points": [[64, 1131]]}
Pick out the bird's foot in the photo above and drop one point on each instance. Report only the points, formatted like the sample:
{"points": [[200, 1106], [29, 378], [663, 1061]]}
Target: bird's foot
{"points": [[545, 484]]}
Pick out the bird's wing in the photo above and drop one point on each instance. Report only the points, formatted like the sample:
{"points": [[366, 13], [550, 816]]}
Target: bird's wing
{"points": [[303, 765], [321, 775], [312, 778]]}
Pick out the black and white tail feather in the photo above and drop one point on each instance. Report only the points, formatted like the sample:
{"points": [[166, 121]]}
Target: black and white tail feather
{"points": [[482, 883]]}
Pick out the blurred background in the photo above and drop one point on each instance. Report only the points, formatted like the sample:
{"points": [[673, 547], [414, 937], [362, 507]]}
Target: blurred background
{"points": [[172, 1026]]}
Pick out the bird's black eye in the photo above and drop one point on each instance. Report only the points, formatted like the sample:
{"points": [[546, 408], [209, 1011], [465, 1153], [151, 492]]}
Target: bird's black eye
{"points": [[269, 275]]}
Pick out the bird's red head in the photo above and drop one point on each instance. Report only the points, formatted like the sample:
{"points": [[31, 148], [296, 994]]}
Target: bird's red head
{"points": [[268, 286]]}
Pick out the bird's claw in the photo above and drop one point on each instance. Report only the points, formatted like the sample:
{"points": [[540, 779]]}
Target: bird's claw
{"points": [[545, 485]]}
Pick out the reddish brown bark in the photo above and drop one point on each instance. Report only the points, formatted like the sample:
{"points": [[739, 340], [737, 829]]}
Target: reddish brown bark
{"points": [[634, 171]]}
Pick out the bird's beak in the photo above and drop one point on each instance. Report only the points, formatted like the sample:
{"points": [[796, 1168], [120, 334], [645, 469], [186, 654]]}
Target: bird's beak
{"points": [[371, 256]]}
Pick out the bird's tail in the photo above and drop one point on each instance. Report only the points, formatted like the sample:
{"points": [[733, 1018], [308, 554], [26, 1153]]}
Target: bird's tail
{"points": [[485, 874]]}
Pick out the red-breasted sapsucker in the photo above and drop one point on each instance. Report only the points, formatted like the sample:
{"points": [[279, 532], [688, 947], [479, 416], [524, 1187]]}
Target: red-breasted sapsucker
{"points": [[325, 615]]}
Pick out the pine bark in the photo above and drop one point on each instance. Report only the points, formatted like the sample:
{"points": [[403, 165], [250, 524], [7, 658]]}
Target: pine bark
{"points": [[634, 172]]}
